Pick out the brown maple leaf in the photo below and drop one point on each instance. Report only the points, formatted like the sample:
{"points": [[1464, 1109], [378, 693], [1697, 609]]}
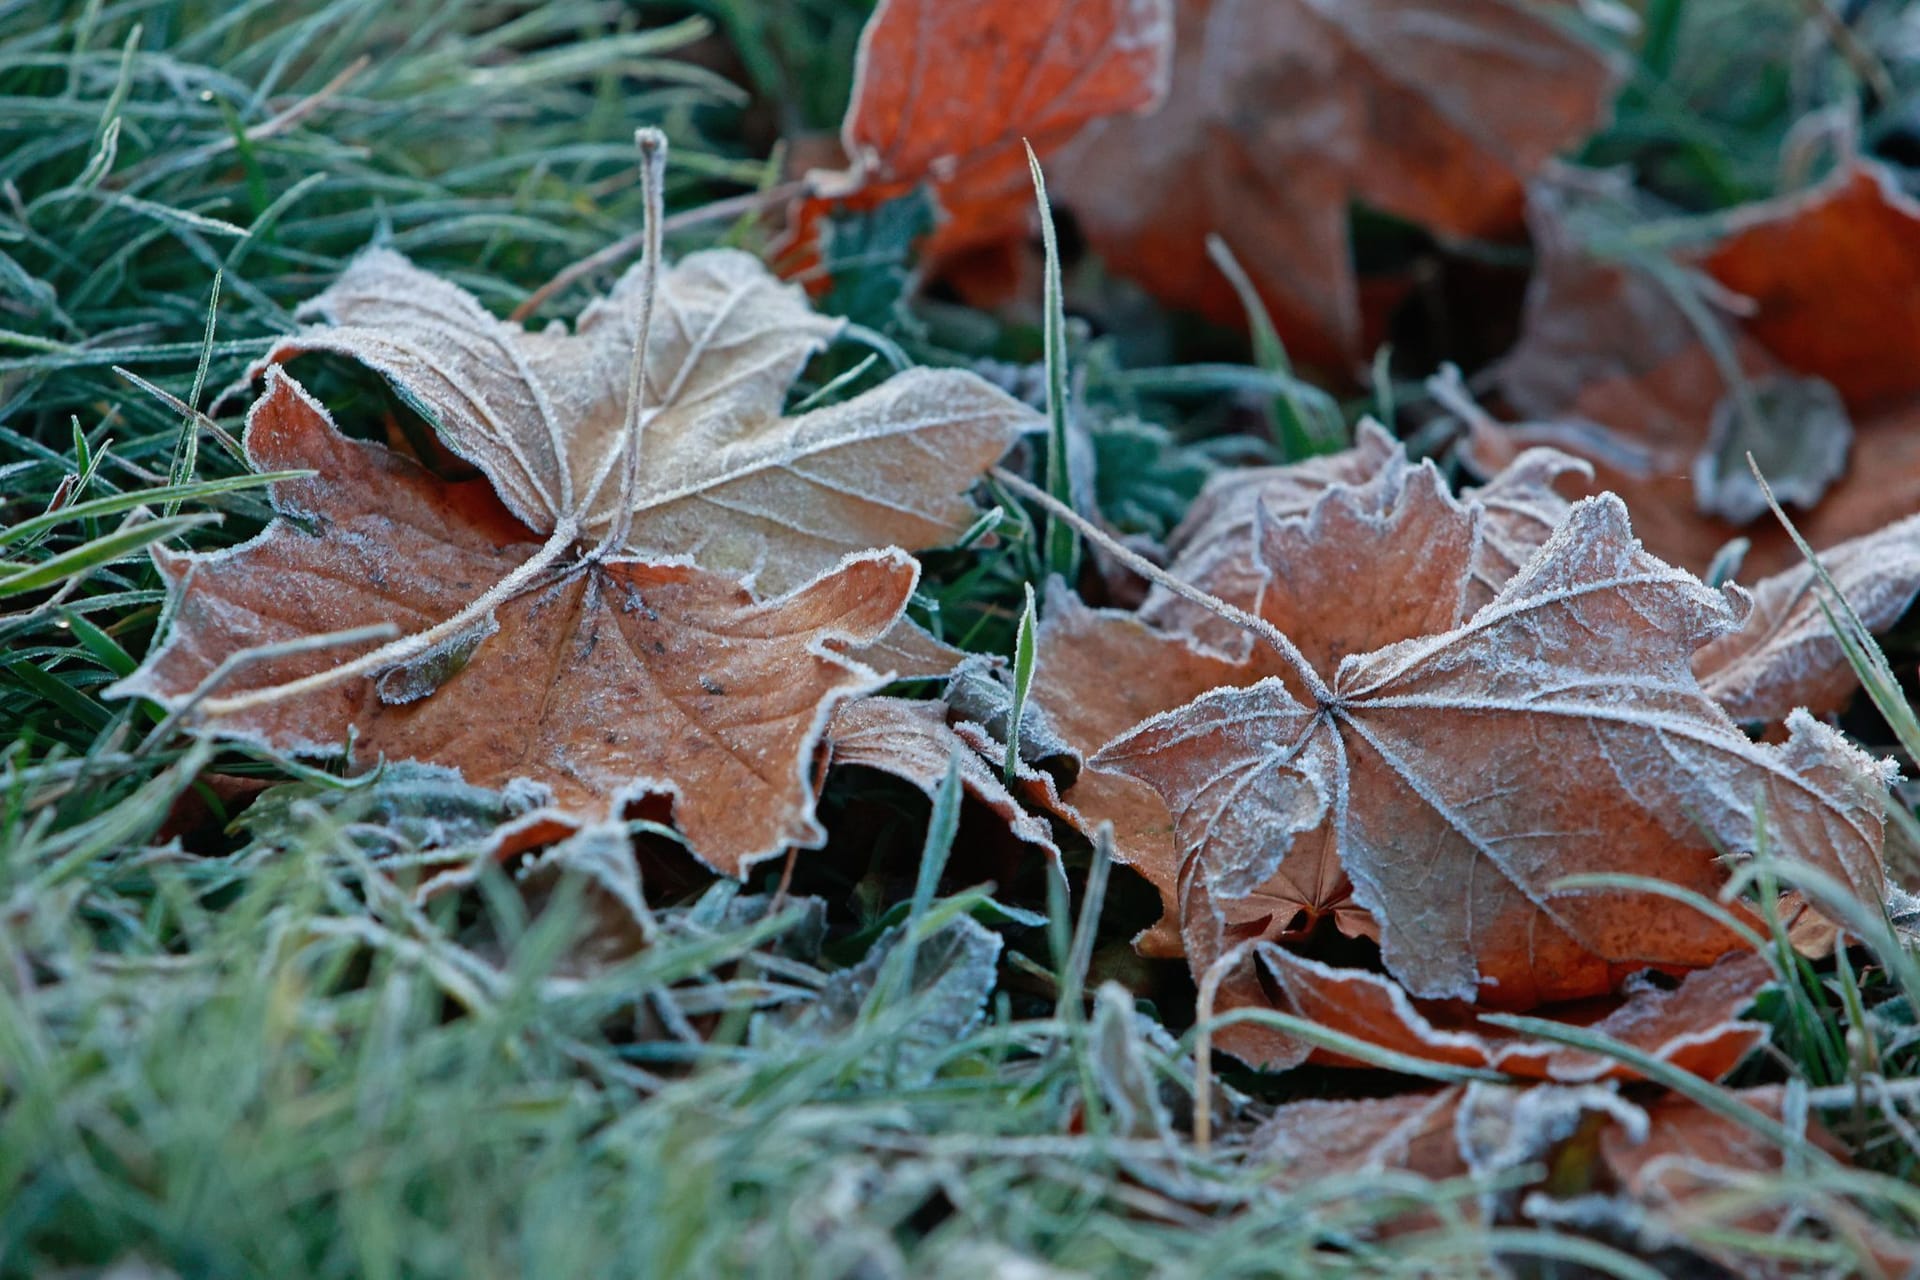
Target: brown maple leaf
{"points": [[912, 740], [717, 473], [1787, 656], [1669, 1172], [1215, 547], [1458, 768], [602, 681], [950, 95], [1284, 113], [1193, 650], [1694, 1025], [1098, 673], [1824, 337]]}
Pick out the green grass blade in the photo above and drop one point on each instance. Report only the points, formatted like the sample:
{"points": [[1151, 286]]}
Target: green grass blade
{"points": [[127, 540], [1062, 546]]}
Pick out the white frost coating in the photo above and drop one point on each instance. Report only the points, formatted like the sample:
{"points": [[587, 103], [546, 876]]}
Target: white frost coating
{"points": [[1663, 1024], [1786, 655], [1500, 1128], [1558, 731], [1214, 548], [1371, 1136], [1522, 509], [543, 414], [586, 689]]}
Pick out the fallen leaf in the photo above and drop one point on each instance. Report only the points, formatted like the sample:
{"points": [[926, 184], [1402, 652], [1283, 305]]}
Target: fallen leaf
{"points": [[1558, 354], [1833, 276], [1610, 368], [1520, 507], [952, 94], [1284, 113], [1644, 1176], [1787, 655], [943, 989], [412, 815], [721, 476], [1098, 673], [1682, 1169], [911, 740], [1463, 770], [1694, 1025], [1216, 547], [617, 680], [1318, 1141], [1213, 547], [910, 653]]}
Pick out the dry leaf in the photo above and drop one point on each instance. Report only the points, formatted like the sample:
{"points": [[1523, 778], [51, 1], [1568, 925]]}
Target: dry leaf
{"points": [[615, 681], [1317, 1141], [1645, 1176], [911, 740], [910, 653], [1559, 730], [1519, 510], [1213, 549], [1786, 655], [1611, 369], [1098, 673], [1833, 277], [952, 94], [1380, 1150], [721, 476], [1682, 1169], [1558, 353], [1694, 1025], [1283, 113], [1216, 546]]}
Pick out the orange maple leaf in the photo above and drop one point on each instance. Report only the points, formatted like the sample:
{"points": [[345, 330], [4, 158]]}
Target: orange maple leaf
{"points": [[621, 679], [1284, 113], [947, 95]]}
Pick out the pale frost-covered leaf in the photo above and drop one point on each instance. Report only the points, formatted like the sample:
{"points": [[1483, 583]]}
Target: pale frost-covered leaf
{"points": [[1796, 430], [1098, 673], [722, 476], [1213, 549], [944, 995], [1520, 508]]}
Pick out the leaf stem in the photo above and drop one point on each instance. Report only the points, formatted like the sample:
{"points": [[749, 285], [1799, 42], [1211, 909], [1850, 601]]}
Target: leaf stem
{"points": [[410, 646], [653, 171], [234, 663], [746, 203], [1161, 578], [1203, 1045]]}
